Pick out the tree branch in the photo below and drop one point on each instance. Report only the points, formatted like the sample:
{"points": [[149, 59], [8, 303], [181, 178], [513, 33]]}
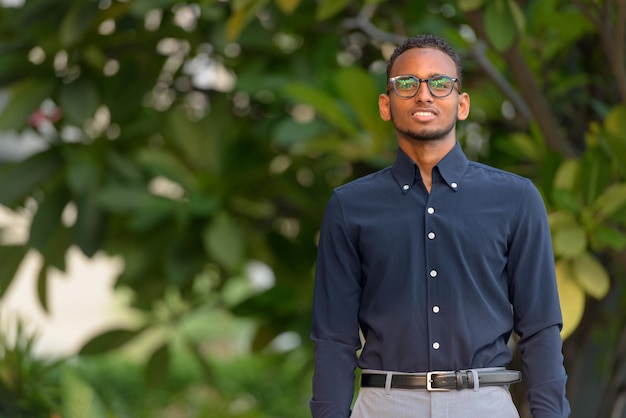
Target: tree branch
{"points": [[530, 91]]}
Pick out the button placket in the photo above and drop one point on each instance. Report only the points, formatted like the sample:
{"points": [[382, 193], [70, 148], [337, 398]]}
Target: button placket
{"points": [[433, 273]]}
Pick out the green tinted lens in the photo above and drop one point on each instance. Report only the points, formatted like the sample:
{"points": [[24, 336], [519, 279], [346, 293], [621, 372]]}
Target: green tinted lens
{"points": [[406, 84], [441, 84]]}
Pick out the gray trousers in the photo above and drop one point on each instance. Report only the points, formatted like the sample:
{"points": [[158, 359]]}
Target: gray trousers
{"points": [[485, 402]]}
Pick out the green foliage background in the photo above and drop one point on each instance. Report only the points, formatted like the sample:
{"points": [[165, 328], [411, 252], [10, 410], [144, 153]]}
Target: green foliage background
{"points": [[197, 140]]}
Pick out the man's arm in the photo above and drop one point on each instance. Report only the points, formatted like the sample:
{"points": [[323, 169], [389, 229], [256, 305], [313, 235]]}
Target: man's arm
{"points": [[535, 300], [335, 316]]}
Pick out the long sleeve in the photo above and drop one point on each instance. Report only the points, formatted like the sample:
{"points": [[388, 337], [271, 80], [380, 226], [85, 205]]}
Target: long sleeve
{"points": [[335, 317], [536, 309]]}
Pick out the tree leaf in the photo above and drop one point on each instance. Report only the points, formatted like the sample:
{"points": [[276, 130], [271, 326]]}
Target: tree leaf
{"points": [[90, 225], [164, 164], [609, 237], [20, 179], [569, 241], [499, 24], [157, 369], [79, 100], [324, 104], [591, 275], [611, 201], [25, 97], [567, 175], [224, 240], [243, 12], [76, 22], [108, 341], [517, 15], [47, 220], [566, 199], [79, 397], [561, 219], [11, 256], [287, 6], [42, 287], [469, 5], [571, 296], [357, 87], [329, 8]]}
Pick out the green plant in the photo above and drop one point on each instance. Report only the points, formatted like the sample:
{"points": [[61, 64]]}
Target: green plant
{"points": [[29, 385]]}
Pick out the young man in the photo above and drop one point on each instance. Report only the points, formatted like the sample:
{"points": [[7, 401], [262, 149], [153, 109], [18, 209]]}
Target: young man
{"points": [[436, 260]]}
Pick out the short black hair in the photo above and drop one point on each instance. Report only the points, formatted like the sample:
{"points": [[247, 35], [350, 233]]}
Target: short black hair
{"points": [[427, 41]]}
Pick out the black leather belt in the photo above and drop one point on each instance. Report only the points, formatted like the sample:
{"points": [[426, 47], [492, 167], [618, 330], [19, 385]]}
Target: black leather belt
{"points": [[442, 381]]}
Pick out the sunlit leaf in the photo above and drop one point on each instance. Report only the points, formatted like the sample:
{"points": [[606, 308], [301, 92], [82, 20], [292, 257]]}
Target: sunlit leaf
{"points": [[499, 24], [561, 219], [566, 199], [79, 398], [615, 121], [611, 201], [287, 6], [518, 15], [329, 8], [569, 241], [243, 12], [609, 237], [572, 298], [591, 275], [567, 175], [357, 87], [469, 5], [525, 146]]}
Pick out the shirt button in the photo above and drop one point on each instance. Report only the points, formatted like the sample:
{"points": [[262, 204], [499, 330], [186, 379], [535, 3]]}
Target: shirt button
{"points": [[436, 309], [453, 185], [405, 187], [431, 235], [431, 211], [433, 273], [436, 346]]}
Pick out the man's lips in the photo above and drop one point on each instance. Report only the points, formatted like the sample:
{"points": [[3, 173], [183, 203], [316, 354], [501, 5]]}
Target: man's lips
{"points": [[423, 115]]}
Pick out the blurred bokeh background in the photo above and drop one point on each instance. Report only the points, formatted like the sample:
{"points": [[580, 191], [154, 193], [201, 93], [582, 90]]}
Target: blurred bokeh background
{"points": [[164, 167]]}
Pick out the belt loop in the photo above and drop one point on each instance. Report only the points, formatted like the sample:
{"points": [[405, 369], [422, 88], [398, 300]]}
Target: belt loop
{"points": [[475, 379], [388, 383], [459, 380]]}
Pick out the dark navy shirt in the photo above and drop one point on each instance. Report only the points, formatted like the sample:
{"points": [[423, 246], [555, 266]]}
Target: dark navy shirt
{"points": [[436, 281]]}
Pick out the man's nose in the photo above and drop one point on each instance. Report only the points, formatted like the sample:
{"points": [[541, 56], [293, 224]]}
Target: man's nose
{"points": [[423, 94]]}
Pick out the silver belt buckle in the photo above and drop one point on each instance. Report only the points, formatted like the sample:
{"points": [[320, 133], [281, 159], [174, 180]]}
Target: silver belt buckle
{"points": [[429, 383]]}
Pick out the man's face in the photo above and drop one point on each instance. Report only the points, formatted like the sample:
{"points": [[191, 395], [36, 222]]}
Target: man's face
{"points": [[424, 117]]}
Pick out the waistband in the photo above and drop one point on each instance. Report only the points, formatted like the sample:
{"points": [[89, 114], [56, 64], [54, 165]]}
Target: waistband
{"points": [[436, 381]]}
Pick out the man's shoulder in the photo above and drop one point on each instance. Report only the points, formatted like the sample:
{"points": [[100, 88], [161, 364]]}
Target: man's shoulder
{"points": [[498, 175], [372, 181]]}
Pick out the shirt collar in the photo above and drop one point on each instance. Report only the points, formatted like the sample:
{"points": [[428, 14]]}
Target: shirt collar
{"points": [[451, 168]]}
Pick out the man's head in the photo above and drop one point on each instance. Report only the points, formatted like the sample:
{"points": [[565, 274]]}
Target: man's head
{"points": [[423, 98], [427, 41]]}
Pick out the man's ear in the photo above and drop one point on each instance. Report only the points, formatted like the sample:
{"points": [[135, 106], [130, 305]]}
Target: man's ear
{"points": [[464, 106], [383, 107]]}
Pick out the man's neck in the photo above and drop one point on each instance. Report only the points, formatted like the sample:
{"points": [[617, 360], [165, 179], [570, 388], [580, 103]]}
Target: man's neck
{"points": [[426, 154]]}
